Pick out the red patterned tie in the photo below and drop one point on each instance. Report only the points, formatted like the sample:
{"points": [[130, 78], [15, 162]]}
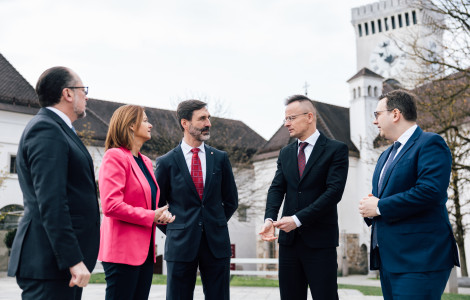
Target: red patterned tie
{"points": [[301, 157], [196, 172]]}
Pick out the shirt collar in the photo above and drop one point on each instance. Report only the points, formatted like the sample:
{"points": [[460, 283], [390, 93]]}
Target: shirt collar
{"points": [[311, 140], [407, 134], [61, 115], [186, 148]]}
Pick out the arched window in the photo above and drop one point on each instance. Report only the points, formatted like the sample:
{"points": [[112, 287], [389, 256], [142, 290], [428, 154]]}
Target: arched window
{"points": [[359, 91], [369, 91], [354, 93], [375, 92]]}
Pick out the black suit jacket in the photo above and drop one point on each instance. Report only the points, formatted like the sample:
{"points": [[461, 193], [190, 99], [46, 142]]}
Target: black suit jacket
{"points": [[60, 226], [220, 200], [312, 198]]}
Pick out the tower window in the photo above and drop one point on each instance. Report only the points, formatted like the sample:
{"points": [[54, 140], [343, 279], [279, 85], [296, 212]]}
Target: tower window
{"points": [[379, 25], [375, 92], [393, 22], [369, 91], [386, 24], [400, 21], [359, 91], [359, 28], [413, 14], [372, 26], [354, 93], [366, 27], [13, 164], [407, 19]]}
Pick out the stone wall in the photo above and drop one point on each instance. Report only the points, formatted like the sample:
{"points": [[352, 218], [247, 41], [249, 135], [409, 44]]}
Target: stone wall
{"points": [[3, 252]]}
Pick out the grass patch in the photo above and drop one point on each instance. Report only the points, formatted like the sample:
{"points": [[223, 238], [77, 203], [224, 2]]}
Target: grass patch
{"points": [[267, 282]]}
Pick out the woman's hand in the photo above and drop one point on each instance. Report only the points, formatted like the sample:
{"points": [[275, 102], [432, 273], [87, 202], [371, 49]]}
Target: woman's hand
{"points": [[163, 216]]}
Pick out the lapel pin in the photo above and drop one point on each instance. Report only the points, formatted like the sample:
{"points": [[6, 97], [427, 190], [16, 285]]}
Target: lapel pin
{"points": [[212, 153]]}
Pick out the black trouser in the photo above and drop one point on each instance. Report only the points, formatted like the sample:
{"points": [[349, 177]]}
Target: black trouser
{"points": [[215, 276], [126, 282], [48, 289], [301, 266]]}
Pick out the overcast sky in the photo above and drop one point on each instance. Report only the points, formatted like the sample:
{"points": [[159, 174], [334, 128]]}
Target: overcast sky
{"points": [[247, 54]]}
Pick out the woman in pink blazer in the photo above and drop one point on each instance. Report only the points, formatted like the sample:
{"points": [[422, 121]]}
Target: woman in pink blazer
{"points": [[129, 201]]}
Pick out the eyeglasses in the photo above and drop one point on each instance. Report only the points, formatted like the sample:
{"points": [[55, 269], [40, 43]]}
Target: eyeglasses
{"points": [[293, 117], [85, 88], [377, 113]]}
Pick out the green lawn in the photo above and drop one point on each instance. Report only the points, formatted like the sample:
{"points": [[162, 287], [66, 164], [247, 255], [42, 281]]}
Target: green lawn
{"points": [[267, 282]]}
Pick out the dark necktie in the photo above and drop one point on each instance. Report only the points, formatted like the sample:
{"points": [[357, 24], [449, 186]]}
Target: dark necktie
{"points": [[301, 158], [390, 159], [196, 172]]}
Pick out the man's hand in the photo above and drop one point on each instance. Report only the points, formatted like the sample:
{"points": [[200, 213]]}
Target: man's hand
{"points": [[267, 231], [286, 223], [80, 275], [368, 206]]}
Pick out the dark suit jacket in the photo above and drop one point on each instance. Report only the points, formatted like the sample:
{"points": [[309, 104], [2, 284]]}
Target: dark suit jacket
{"points": [[60, 226], [220, 200], [414, 233], [312, 198]]}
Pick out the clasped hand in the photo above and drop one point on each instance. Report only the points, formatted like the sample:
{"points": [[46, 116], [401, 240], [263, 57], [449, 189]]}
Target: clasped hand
{"points": [[286, 224], [368, 206], [163, 216]]}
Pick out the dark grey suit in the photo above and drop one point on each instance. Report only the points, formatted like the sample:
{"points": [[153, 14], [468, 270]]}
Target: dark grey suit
{"points": [[199, 235], [60, 226]]}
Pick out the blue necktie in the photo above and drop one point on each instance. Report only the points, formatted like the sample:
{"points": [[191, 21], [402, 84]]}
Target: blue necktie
{"points": [[390, 159]]}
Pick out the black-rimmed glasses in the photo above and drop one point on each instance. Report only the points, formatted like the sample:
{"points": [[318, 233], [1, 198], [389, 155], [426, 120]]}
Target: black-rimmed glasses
{"points": [[293, 117], [377, 113], [85, 88]]}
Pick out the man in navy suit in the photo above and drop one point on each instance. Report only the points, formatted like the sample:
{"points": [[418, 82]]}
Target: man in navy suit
{"points": [[412, 241], [56, 245], [197, 182], [309, 181]]}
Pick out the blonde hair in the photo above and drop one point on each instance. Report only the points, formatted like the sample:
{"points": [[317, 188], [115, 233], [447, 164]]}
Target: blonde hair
{"points": [[119, 131]]}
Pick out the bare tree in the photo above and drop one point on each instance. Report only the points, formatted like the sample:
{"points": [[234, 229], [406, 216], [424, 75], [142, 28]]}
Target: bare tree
{"points": [[443, 87]]}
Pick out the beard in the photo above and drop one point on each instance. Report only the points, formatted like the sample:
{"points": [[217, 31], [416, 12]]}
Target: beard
{"points": [[78, 112], [200, 134]]}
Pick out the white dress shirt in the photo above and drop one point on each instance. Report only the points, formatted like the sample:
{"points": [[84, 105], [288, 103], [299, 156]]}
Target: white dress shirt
{"points": [[188, 156], [311, 140], [61, 115], [402, 139]]}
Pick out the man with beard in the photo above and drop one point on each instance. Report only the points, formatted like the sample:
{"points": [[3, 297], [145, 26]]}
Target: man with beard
{"points": [[56, 245], [197, 183]]}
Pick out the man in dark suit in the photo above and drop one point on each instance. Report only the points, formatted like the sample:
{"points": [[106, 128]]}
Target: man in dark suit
{"points": [[197, 182], [412, 241], [57, 241], [310, 179]]}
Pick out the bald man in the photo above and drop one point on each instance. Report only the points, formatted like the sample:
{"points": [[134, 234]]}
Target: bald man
{"points": [[310, 179]]}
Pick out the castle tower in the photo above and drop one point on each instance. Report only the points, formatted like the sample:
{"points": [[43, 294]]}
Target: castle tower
{"points": [[365, 87], [385, 31]]}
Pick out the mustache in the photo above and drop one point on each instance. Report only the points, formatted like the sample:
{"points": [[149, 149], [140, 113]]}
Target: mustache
{"points": [[207, 128]]}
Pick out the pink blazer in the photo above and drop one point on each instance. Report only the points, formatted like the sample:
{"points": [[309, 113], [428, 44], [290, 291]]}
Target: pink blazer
{"points": [[126, 228]]}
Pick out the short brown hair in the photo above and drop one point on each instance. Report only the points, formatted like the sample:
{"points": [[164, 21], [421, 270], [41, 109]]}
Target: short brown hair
{"points": [[404, 101], [186, 108], [119, 131]]}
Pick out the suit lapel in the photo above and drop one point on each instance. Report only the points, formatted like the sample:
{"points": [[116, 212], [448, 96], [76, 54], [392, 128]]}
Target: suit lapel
{"points": [[209, 170], [317, 152], [140, 176], [71, 134], [378, 170], [411, 141], [293, 168], [181, 163]]}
